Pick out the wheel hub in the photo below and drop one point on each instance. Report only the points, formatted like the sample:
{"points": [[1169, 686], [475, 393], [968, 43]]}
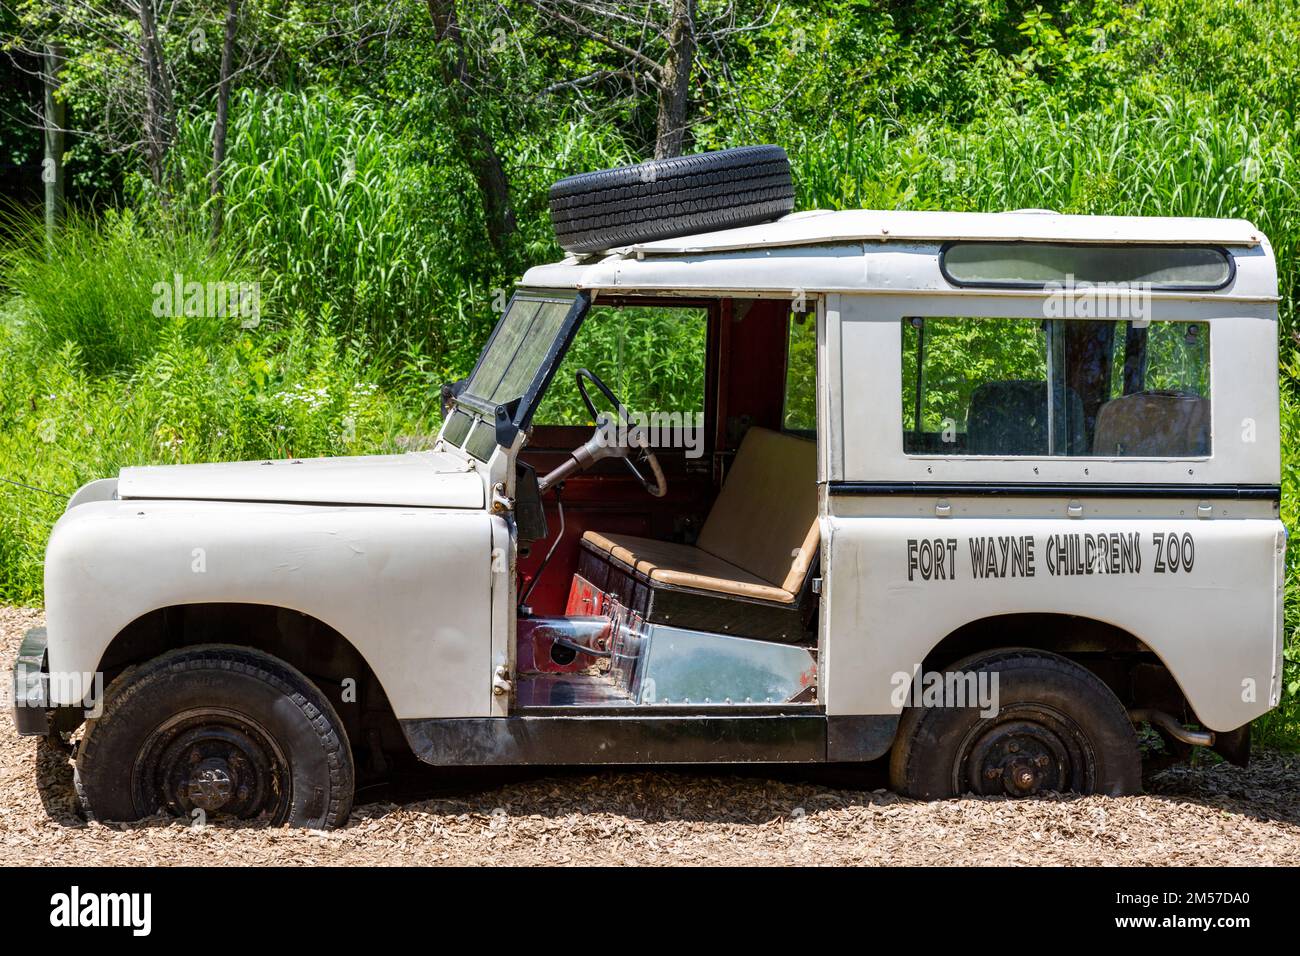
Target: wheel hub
{"points": [[216, 762], [210, 787], [1023, 757]]}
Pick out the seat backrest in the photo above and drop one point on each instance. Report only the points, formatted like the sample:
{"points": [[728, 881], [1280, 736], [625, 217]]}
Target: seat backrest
{"points": [[1010, 418], [1153, 425], [765, 517]]}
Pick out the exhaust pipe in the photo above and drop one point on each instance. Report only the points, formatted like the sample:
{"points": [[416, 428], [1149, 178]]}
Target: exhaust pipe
{"points": [[1170, 725]]}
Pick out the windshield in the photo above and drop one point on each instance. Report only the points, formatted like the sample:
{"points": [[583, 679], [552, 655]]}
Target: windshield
{"points": [[526, 341]]}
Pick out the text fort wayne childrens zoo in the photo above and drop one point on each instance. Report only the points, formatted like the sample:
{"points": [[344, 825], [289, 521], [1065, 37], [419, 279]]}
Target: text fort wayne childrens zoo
{"points": [[1022, 556]]}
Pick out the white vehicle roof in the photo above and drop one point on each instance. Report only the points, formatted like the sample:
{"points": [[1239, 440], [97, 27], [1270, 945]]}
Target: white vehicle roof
{"points": [[854, 225], [886, 251]]}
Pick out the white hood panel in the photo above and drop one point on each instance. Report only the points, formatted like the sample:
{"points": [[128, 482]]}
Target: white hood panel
{"points": [[420, 479]]}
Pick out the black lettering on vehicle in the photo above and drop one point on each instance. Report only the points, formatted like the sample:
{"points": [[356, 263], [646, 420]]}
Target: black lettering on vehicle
{"points": [[1004, 556], [1174, 552], [932, 558]]}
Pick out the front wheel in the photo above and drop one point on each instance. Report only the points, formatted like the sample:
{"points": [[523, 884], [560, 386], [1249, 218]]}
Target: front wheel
{"points": [[217, 731], [1057, 728]]}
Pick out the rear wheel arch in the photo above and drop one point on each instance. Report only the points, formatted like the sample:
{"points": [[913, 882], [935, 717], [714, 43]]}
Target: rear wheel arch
{"points": [[1135, 673]]}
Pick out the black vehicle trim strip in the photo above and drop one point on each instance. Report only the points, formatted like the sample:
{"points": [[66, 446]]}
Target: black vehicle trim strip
{"points": [[1055, 489], [578, 737]]}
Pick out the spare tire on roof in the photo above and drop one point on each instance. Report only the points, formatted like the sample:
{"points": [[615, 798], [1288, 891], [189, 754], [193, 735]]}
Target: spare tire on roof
{"points": [[672, 197]]}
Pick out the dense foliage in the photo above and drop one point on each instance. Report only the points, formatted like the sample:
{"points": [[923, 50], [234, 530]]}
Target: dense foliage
{"points": [[350, 198]]}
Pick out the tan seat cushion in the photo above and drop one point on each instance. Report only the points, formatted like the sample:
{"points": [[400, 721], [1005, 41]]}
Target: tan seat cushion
{"points": [[685, 566], [602, 542], [760, 537], [765, 518], [1153, 425]]}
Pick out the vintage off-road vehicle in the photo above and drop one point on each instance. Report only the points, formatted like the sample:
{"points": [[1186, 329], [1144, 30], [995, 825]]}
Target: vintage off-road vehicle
{"points": [[993, 494]]}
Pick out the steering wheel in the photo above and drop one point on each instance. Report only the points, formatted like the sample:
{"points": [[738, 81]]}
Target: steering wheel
{"points": [[629, 440]]}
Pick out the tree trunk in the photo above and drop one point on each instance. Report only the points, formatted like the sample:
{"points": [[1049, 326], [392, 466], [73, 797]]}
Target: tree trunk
{"points": [[674, 93], [158, 123], [223, 112], [55, 122], [475, 146]]}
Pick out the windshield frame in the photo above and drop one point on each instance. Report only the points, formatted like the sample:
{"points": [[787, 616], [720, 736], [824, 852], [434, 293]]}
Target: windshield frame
{"points": [[517, 415]]}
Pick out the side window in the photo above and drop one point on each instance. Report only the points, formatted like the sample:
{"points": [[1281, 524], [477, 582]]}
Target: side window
{"points": [[653, 359], [800, 410], [1029, 387], [956, 370], [1159, 402]]}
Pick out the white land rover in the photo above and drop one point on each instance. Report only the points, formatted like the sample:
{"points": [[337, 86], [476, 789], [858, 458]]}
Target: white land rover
{"points": [[988, 493]]}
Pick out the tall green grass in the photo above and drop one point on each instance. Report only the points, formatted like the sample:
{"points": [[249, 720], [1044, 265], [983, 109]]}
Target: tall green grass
{"points": [[94, 380], [323, 195], [362, 212], [99, 287]]}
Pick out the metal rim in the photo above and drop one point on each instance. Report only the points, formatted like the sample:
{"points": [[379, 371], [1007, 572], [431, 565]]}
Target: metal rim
{"points": [[213, 760], [1028, 749]]}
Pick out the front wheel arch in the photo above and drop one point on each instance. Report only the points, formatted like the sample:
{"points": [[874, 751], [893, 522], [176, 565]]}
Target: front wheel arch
{"points": [[313, 647]]}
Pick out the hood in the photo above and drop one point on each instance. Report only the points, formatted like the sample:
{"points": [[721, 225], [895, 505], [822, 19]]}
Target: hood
{"points": [[420, 479]]}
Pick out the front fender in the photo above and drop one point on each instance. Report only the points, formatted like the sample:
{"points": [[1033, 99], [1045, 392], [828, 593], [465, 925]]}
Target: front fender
{"points": [[410, 588]]}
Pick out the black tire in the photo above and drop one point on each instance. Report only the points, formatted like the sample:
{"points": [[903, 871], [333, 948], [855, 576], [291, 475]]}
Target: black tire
{"points": [[227, 730], [672, 197], [1058, 728]]}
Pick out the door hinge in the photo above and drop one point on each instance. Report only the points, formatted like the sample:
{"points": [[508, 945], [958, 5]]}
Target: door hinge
{"points": [[501, 681]]}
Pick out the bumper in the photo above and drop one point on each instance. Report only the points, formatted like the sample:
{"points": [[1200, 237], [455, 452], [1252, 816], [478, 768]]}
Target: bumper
{"points": [[31, 686]]}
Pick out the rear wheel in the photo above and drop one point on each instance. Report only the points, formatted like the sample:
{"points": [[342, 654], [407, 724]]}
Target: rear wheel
{"points": [[1057, 728], [217, 731]]}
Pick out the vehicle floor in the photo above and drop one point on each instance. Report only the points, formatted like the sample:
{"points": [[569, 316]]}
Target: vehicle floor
{"points": [[1211, 813]]}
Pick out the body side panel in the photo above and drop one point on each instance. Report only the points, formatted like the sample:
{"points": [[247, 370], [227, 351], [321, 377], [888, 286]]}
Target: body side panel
{"points": [[1214, 626], [410, 588]]}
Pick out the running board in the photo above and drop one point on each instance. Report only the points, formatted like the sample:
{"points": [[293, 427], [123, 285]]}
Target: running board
{"points": [[649, 739]]}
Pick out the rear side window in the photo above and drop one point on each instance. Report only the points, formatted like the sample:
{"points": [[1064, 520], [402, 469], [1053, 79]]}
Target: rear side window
{"points": [[1055, 387], [1035, 265]]}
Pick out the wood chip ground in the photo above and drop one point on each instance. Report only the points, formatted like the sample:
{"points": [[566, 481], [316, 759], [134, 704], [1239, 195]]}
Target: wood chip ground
{"points": [[1203, 815]]}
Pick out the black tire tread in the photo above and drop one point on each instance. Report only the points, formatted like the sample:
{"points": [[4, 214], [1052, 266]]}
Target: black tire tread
{"points": [[662, 199]]}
